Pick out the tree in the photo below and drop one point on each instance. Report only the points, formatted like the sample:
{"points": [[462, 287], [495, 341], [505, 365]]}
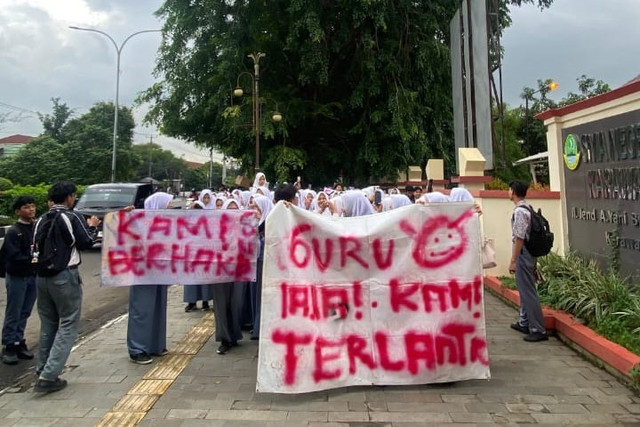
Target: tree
{"points": [[88, 142], [364, 87], [42, 160], [533, 132], [587, 88], [54, 122], [513, 147], [164, 165], [81, 150]]}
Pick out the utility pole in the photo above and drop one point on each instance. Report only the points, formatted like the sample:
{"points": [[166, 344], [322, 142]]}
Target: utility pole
{"points": [[150, 151]]}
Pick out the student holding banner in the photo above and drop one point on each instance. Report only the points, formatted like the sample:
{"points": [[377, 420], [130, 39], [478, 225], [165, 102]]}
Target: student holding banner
{"points": [[147, 327], [193, 293], [228, 302], [262, 205]]}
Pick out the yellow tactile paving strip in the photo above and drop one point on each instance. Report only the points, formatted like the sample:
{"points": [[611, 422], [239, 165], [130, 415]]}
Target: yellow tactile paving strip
{"points": [[139, 400]]}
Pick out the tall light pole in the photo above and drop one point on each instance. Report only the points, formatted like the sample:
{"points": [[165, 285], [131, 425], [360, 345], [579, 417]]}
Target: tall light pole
{"points": [[255, 56], [115, 114], [257, 113]]}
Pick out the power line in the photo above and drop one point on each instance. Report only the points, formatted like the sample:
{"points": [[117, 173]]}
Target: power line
{"points": [[16, 108]]}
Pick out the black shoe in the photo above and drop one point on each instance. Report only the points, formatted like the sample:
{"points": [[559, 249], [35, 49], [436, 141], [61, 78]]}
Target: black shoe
{"points": [[23, 352], [190, 307], [49, 386], [234, 344], [10, 355], [518, 327], [141, 358], [536, 336], [223, 348], [162, 353], [205, 306]]}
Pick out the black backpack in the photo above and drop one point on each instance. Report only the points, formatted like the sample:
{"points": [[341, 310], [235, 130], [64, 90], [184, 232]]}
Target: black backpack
{"points": [[52, 250], [540, 238]]}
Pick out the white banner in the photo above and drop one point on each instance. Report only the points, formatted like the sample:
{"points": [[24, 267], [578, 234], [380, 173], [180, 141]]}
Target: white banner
{"points": [[187, 247], [390, 298]]}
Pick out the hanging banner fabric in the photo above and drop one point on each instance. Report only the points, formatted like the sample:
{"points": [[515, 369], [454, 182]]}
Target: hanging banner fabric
{"points": [[187, 247], [390, 298]]}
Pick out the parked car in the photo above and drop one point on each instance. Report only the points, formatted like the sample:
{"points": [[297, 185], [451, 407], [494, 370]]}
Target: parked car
{"points": [[98, 199]]}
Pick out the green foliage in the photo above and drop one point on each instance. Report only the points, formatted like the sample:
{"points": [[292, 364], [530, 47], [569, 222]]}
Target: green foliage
{"points": [[5, 184], [41, 161], [533, 131], [39, 193], [587, 88], [158, 163], [364, 87], [54, 122], [287, 162], [497, 184], [606, 302], [507, 134], [79, 149]]}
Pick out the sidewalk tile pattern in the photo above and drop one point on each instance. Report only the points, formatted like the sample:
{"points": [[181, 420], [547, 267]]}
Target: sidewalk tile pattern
{"points": [[534, 383]]}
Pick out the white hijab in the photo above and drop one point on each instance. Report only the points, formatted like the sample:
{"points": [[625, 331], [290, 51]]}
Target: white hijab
{"points": [[434, 197], [264, 204], [256, 180], [355, 203], [459, 194], [305, 195], [327, 211], [228, 202], [400, 200], [159, 200], [212, 199]]}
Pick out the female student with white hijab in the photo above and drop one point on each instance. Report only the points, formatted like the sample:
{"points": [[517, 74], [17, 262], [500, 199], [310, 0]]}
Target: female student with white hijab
{"points": [[147, 326], [356, 203], [260, 180], [228, 303], [191, 294], [262, 205], [207, 198]]}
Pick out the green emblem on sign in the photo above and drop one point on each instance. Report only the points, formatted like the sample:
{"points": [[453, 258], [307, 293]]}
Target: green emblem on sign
{"points": [[571, 153]]}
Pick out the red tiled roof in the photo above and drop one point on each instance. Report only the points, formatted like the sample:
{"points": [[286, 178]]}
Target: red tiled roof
{"points": [[16, 139], [193, 165]]}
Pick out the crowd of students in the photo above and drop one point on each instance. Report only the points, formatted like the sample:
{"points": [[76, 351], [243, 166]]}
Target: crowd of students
{"points": [[236, 304]]}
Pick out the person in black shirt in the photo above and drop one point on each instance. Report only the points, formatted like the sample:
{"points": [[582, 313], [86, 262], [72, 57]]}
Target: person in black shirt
{"points": [[20, 281]]}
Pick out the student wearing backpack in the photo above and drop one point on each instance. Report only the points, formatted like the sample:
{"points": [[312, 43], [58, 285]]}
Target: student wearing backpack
{"points": [[58, 236], [20, 280], [523, 264]]}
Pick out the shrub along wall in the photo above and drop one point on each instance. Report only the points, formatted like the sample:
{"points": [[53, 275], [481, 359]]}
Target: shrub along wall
{"points": [[39, 193], [604, 301]]}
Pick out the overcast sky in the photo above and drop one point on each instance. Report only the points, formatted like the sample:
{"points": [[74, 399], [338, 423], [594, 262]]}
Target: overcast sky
{"points": [[42, 58]]}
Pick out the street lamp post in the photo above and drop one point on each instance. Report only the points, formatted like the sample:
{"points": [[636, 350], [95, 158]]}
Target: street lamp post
{"points": [[256, 103], [115, 114]]}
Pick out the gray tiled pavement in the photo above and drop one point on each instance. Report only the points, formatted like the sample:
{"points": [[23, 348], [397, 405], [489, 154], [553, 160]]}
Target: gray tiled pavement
{"points": [[539, 383]]}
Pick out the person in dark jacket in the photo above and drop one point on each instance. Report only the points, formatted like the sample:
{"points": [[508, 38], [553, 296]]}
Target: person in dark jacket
{"points": [[20, 281], [60, 294]]}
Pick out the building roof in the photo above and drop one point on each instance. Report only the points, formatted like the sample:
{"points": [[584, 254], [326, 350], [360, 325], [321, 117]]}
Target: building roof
{"points": [[193, 165], [16, 139]]}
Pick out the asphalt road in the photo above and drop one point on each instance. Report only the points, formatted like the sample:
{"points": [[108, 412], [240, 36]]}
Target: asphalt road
{"points": [[98, 307]]}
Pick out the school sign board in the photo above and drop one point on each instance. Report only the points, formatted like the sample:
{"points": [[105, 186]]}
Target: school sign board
{"points": [[385, 299]]}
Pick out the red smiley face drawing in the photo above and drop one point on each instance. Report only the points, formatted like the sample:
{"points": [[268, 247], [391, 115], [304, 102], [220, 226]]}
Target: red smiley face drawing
{"points": [[440, 240]]}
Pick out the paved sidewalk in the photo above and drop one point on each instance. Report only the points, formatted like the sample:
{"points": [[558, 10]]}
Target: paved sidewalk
{"points": [[539, 383]]}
